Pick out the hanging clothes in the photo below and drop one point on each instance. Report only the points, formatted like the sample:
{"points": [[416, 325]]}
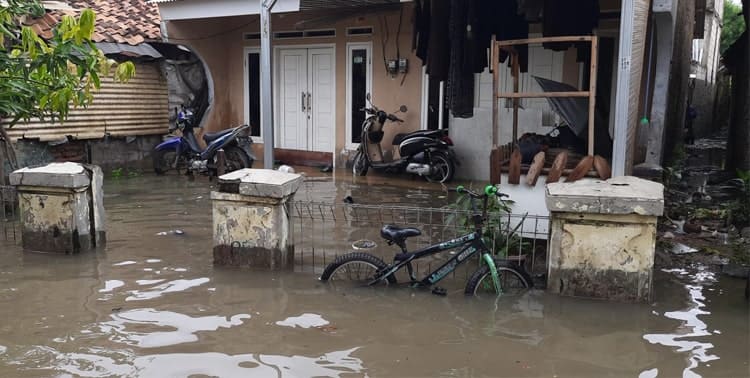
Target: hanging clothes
{"points": [[421, 32], [476, 39], [570, 18], [439, 48], [502, 19], [461, 78], [531, 9]]}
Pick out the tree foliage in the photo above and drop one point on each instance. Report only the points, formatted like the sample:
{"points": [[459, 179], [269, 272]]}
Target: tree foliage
{"points": [[734, 24], [45, 78]]}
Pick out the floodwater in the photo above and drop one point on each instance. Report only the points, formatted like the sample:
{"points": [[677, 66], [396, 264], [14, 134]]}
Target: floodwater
{"points": [[155, 306]]}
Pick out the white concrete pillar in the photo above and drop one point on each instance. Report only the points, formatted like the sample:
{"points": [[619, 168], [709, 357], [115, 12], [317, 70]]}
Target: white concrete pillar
{"points": [[61, 207], [603, 237], [251, 225]]}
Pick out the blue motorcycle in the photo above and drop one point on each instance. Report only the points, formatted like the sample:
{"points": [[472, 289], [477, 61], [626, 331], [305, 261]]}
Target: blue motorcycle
{"points": [[184, 153]]}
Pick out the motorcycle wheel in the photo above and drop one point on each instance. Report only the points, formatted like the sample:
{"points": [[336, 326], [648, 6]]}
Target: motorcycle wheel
{"points": [[359, 164], [442, 167], [236, 159], [163, 161]]}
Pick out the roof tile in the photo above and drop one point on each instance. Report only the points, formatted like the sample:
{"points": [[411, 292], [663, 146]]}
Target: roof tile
{"points": [[127, 21]]}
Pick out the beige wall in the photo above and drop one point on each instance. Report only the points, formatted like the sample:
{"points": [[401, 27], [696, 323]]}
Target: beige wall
{"points": [[220, 44]]}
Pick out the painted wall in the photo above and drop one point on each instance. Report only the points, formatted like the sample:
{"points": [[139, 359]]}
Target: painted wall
{"points": [[220, 43]]}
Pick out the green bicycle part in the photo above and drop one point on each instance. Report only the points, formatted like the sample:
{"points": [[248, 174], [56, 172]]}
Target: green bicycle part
{"points": [[460, 189], [493, 271], [490, 190]]}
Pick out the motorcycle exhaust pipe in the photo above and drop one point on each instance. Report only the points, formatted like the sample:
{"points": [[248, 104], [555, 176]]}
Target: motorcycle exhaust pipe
{"points": [[419, 169]]}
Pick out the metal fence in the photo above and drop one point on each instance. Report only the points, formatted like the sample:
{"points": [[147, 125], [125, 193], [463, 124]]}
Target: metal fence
{"points": [[323, 231], [9, 230]]}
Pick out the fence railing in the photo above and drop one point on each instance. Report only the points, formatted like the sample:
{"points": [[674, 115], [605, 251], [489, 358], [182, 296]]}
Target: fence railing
{"points": [[9, 230], [323, 231]]}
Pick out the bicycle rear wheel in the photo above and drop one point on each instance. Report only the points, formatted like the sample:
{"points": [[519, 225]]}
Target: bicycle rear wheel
{"points": [[356, 269], [513, 280]]}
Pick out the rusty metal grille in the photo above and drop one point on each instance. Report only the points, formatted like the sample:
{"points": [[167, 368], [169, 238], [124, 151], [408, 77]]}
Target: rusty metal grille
{"points": [[323, 231], [9, 230]]}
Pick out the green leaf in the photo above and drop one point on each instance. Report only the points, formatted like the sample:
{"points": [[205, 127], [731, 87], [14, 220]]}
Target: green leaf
{"points": [[95, 78], [86, 24]]}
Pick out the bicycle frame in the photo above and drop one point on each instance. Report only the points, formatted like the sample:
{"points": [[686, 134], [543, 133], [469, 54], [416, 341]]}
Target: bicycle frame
{"points": [[472, 243]]}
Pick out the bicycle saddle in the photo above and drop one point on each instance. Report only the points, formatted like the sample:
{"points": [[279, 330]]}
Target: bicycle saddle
{"points": [[396, 234]]}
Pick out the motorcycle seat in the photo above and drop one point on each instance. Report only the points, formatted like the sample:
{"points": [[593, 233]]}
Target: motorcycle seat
{"points": [[398, 138], [210, 137], [398, 234]]}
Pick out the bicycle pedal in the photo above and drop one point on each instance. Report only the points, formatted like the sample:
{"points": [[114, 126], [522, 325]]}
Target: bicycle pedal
{"points": [[439, 291]]}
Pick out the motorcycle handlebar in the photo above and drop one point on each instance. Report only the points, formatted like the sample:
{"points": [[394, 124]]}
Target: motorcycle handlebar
{"points": [[374, 110], [393, 118]]}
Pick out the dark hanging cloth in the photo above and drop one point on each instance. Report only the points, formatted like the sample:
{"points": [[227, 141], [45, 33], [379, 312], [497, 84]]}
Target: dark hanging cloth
{"points": [[439, 48], [570, 18], [461, 88], [476, 39], [421, 31], [531, 9], [501, 18]]}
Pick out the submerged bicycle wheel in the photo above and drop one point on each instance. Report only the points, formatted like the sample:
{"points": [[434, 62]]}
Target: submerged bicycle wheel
{"points": [[513, 281], [356, 269]]}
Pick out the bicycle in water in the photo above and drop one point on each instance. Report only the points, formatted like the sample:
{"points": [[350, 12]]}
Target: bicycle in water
{"points": [[494, 275]]}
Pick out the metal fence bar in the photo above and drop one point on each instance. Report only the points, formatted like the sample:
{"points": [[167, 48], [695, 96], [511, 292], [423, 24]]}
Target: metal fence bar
{"points": [[9, 213], [323, 231]]}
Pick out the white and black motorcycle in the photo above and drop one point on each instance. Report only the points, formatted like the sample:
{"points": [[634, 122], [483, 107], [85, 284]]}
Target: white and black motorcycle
{"points": [[426, 153]]}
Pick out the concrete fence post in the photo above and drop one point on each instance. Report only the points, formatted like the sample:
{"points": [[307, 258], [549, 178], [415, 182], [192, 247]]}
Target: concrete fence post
{"points": [[61, 207], [603, 238], [250, 221]]}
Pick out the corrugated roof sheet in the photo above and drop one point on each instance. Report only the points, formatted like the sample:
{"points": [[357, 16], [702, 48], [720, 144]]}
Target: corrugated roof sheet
{"points": [[338, 4], [126, 22]]}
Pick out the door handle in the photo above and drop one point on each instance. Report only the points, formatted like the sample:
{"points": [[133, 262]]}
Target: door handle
{"points": [[309, 101], [303, 102]]}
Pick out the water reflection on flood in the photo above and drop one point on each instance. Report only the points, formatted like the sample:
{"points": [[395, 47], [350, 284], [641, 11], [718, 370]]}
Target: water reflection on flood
{"points": [[155, 306], [165, 288], [96, 363], [686, 338]]}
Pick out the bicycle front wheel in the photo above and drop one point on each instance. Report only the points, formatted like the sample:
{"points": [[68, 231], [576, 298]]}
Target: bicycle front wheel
{"points": [[356, 268], [513, 280]]}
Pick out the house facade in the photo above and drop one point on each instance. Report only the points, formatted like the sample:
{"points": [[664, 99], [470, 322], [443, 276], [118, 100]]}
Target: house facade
{"points": [[327, 55]]}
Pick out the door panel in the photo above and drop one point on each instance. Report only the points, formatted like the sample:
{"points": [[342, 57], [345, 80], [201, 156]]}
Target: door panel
{"points": [[322, 119], [292, 84], [306, 98]]}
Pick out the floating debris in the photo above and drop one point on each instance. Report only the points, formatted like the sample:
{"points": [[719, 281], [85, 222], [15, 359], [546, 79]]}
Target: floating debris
{"points": [[170, 232], [682, 249], [364, 244]]}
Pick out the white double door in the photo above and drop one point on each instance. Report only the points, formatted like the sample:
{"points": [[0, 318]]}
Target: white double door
{"points": [[306, 97]]}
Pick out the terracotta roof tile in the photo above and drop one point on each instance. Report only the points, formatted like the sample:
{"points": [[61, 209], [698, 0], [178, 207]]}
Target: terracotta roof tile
{"points": [[125, 21]]}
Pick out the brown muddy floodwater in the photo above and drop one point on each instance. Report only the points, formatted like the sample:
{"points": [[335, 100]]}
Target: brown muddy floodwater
{"points": [[155, 306]]}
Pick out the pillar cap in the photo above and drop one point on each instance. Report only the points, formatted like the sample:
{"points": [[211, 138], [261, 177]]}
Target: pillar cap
{"points": [[54, 175], [619, 195], [263, 182]]}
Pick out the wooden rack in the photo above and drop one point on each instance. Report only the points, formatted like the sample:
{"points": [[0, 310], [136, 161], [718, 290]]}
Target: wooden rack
{"points": [[508, 45]]}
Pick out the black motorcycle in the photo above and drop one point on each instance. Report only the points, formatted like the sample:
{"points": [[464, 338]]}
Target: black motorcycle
{"points": [[184, 153], [426, 153]]}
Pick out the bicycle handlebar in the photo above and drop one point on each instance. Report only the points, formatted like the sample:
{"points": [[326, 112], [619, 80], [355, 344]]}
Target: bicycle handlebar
{"points": [[489, 190]]}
